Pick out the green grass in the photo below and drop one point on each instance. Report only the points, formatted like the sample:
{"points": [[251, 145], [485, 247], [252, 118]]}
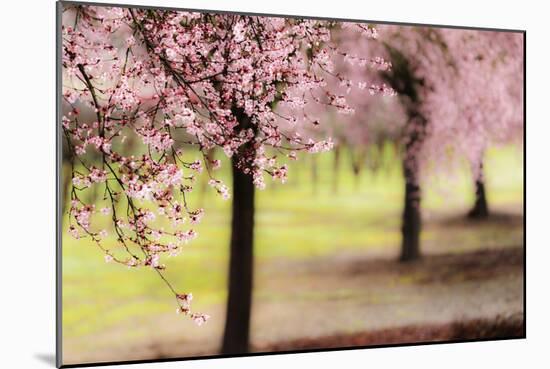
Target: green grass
{"points": [[293, 221]]}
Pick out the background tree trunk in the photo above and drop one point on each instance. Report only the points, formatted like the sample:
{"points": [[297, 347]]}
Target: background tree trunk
{"points": [[401, 78], [411, 226], [412, 220], [336, 169], [357, 162], [480, 209]]}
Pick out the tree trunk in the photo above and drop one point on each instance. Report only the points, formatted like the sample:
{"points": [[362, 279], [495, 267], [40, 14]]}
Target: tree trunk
{"points": [[239, 300], [402, 79], [480, 209], [410, 246], [412, 221], [356, 166], [336, 169], [239, 303]]}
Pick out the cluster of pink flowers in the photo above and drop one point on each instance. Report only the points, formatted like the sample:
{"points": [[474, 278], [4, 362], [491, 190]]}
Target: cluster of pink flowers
{"points": [[382, 89], [186, 236], [469, 87], [222, 189], [280, 173], [320, 146], [159, 140]]}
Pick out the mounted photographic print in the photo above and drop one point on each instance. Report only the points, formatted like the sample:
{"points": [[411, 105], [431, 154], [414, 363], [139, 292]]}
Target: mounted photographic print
{"points": [[237, 184]]}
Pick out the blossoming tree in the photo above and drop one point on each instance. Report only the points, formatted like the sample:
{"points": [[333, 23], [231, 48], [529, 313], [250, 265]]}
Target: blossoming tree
{"points": [[187, 82], [461, 90], [490, 115]]}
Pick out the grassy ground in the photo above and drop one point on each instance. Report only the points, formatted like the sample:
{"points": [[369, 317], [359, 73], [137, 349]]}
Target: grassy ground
{"points": [[309, 241]]}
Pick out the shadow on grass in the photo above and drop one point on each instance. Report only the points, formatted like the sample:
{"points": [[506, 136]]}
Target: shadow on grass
{"points": [[477, 329], [494, 219], [444, 268]]}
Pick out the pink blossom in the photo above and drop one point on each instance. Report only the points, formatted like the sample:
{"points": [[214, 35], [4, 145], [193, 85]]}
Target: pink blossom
{"points": [[196, 166], [185, 299], [220, 188], [196, 216], [280, 173], [216, 164], [81, 181], [159, 140], [258, 180], [200, 318], [74, 232], [97, 175], [153, 260], [186, 236]]}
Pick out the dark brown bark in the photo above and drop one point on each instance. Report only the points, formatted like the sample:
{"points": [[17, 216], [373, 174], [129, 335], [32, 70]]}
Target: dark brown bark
{"points": [[336, 170], [357, 162], [239, 301], [412, 219], [402, 79], [411, 222], [480, 209]]}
